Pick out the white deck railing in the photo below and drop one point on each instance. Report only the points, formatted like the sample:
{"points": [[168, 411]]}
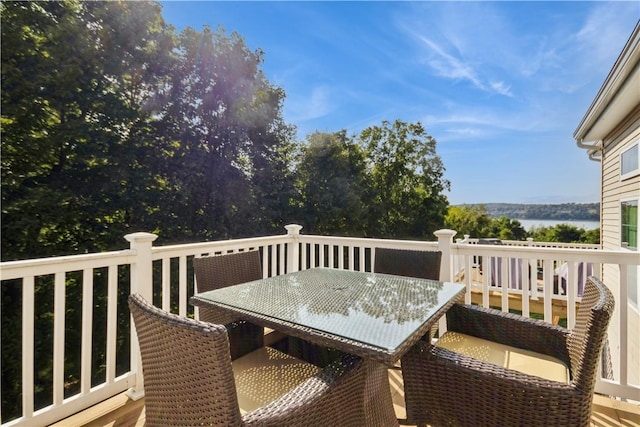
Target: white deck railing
{"points": [[165, 272]]}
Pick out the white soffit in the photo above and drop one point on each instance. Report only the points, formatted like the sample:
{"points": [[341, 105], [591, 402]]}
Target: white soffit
{"points": [[614, 113], [617, 97]]}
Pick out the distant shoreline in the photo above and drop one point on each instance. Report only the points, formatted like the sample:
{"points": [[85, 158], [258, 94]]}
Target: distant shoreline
{"points": [[528, 224], [558, 212]]}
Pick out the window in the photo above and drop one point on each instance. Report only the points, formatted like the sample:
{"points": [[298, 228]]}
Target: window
{"points": [[629, 235], [629, 223], [629, 164]]}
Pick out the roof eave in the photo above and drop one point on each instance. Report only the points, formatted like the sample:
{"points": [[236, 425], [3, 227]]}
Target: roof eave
{"points": [[618, 96]]}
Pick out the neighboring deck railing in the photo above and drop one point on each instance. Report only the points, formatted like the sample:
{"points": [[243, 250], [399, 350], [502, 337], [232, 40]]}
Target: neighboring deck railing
{"points": [[165, 273]]}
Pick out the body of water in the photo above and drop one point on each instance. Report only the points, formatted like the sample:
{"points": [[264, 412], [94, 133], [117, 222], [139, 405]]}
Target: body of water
{"points": [[528, 224]]}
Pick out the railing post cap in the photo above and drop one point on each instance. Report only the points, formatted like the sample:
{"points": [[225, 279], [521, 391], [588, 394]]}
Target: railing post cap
{"points": [[141, 237], [445, 232], [293, 229]]}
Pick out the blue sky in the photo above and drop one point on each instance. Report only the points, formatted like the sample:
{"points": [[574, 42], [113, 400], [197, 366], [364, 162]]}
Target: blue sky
{"points": [[501, 86]]}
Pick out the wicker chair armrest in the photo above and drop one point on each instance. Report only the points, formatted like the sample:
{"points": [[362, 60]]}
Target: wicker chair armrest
{"points": [[518, 380], [510, 329], [436, 378], [336, 394]]}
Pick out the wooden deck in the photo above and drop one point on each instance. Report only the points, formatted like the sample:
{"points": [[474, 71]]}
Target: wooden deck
{"points": [[120, 411]]}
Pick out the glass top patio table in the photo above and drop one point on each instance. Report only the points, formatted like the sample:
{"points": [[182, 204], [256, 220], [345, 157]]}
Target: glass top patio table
{"points": [[372, 315]]}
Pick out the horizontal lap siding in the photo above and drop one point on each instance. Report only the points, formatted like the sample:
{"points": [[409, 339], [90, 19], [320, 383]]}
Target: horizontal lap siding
{"points": [[613, 192]]}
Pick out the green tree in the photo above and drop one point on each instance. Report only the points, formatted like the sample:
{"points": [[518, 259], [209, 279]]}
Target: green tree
{"points": [[472, 220], [75, 135], [407, 181], [506, 229], [591, 236], [565, 233], [75, 76], [332, 183], [111, 123], [228, 145]]}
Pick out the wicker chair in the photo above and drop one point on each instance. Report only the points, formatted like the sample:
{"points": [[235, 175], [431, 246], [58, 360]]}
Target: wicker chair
{"points": [[215, 272], [409, 263], [190, 380], [445, 387]]}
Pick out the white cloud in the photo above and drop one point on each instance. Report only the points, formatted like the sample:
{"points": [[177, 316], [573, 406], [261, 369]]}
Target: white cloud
{"points": [[484, 118], [467, 132], [601, 40], [501, 88], [448, 66], [446, 61], [486, 44], [581, 55], [316, 104]]}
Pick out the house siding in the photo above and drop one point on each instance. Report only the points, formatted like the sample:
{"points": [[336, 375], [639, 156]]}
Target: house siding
{"points": [[615, 190]]}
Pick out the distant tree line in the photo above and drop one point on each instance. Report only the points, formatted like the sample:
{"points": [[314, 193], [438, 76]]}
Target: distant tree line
{"points": [[476, 221], [559, 211]]}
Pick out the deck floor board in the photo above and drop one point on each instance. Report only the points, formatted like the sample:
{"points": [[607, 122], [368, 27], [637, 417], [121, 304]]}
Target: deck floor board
{"points": [[120, 411]]}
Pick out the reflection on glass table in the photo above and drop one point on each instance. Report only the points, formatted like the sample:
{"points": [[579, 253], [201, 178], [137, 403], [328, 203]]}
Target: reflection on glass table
{"points": [[375, 316]]}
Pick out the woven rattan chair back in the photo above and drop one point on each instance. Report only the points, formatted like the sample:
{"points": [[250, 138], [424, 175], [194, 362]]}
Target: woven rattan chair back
{"points": [[587, 339], [444, 387], [215, 272], [188, 379], [409, 263], [220, 271]]}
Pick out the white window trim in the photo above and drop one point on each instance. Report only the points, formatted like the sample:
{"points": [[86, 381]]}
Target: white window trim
{"points": [[623, 200], [633, 304], [636, 171]]}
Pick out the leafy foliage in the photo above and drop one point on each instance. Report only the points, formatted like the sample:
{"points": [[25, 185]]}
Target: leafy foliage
{"points": [[386, 182], [565, 233], [74, 78], [472, 220], [332, 183], [407, 181], [111, 123], [507, 229], [225, 138]]}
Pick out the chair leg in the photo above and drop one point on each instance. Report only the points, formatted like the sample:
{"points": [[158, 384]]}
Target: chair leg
{"points": [[244, 337]]}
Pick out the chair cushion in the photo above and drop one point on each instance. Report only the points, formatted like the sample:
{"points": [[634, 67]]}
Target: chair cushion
{"points": [[266, 374], [527, 362]]}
